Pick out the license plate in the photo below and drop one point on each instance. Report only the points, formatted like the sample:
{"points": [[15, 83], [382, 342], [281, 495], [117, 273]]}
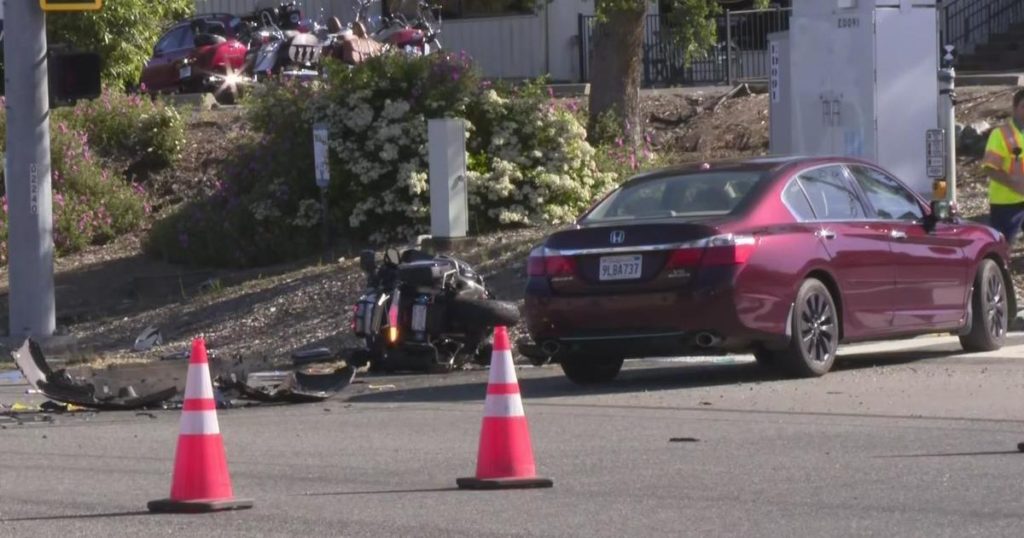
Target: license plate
{"points": [[185, 72], [621, 267], [419, 317]]}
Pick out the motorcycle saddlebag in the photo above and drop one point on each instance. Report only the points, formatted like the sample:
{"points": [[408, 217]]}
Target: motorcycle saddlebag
{"points": [[368, 317]]}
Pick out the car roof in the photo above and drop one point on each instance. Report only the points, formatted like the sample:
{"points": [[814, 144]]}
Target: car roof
{"points": [[773, 164]]}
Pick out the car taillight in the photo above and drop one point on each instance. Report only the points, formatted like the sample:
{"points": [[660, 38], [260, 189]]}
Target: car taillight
{"points": [[685, 257], [541, 265], [729, 250], [726, 249]]}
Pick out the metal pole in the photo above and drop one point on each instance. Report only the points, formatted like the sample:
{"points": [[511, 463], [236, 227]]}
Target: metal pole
{"points": [[947, 98], [30, 224], [323, 217], [728, 47]]}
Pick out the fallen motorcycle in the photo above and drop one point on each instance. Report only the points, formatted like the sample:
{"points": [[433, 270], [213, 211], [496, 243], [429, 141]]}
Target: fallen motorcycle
{"points": [[423, 312]]}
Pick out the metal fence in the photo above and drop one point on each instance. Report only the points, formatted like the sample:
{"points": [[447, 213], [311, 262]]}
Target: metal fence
{"points": [[740, 54], [968, 23]]}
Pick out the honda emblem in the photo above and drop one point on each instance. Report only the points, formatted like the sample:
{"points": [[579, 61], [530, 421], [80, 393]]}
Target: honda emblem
{"points": [[618, 237]]}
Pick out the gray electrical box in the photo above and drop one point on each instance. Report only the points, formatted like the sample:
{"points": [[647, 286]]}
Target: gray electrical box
{"points": [[862, 82], [779, 108]]}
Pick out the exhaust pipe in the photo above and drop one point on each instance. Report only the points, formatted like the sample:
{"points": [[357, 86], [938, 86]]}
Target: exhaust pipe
{"points": [[550, 348], [707, 340]]}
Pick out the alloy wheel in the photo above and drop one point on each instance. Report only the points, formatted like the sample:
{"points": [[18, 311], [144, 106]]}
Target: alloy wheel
{"points": [[817, 328], [995, 304]]}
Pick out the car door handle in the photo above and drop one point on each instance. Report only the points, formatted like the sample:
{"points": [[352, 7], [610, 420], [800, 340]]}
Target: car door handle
{"points": [[896, 234], [826, 234]]}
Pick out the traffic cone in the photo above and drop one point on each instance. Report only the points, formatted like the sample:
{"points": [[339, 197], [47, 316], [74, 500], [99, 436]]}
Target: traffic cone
{"points": [[505, 458], [201, 482]]}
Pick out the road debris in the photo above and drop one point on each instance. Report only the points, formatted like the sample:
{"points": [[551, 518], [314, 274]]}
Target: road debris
{"points": [[684, 440], [312, 356], [148, 338], [62, 387], [295, 387]]}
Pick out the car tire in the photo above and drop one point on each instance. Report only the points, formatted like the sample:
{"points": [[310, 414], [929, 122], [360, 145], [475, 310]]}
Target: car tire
{"points": [[989, 311], [814, 332], [484, 313], [590, 370]]}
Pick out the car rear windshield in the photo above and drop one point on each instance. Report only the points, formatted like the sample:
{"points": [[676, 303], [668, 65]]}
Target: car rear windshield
{"points": [[686, 195]]}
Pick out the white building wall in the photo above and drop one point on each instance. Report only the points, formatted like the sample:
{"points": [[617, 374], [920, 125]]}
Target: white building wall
{"points": [[502, 47]]}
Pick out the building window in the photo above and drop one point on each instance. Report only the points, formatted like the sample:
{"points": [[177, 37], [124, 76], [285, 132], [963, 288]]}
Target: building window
{"points": [[462, 9]]}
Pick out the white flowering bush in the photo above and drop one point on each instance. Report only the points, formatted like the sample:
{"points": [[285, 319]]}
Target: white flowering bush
{"points": [[529, 162]]}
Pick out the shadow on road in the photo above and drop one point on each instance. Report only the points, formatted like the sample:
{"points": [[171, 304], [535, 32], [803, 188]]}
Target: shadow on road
{"points": [[81, 516], [631, 380], [379, 492]]}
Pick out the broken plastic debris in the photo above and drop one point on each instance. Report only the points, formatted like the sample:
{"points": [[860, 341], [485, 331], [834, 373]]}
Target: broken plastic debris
{"points": [[62, 387], [311, 356], [19, 407], [294, 387], [149, 337]]}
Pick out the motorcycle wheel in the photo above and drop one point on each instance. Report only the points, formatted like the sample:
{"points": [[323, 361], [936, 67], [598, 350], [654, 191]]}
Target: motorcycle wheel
{"points": [[484, 313]]}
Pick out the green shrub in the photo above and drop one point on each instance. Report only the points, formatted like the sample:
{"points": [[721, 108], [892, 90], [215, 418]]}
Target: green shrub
{"points": [[91, 205], [529, 162], [146, 134]]}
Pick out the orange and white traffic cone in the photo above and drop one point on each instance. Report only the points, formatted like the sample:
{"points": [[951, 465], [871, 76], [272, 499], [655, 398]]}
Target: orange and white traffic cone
{"points": [[201, 482], [505, 458]]}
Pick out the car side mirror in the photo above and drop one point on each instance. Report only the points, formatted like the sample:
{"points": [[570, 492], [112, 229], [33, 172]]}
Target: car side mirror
{"points": [[941, 211], [368, 261]]}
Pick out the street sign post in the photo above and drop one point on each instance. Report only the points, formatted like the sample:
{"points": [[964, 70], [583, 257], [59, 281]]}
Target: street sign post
{"points": [[321, 137]]}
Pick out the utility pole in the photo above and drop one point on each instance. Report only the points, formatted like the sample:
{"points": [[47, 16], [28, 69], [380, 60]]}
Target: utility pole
{"points": [[947, 105], [27, 174]]}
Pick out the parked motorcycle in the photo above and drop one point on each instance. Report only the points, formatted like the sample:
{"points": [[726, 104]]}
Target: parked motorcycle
{"points": [[367, 36], [279, 46], [413, 30], [425, 312]]}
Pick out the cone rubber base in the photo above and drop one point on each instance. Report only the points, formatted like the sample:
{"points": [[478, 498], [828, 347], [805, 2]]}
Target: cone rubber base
{"points": [[503, 483], [168, 506]]}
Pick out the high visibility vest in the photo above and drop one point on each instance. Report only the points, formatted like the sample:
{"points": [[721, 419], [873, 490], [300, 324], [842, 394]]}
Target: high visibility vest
{"points": [[999, 155]]}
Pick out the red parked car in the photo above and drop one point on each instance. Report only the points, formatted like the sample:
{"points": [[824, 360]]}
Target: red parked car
{"points": [[201, 54], [784, 257]]}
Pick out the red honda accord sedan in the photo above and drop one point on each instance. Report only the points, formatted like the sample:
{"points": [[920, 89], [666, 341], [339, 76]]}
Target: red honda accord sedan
{"points": [[783, 257]]}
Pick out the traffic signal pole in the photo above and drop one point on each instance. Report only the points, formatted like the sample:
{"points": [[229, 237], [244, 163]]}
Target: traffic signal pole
{"points": [[27, 173]]}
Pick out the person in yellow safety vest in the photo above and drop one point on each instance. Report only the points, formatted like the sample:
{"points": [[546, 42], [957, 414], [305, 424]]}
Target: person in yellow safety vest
{"points": [[1004, 164]]}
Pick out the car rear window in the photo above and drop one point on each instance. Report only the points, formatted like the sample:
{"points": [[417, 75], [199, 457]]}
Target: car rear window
{"points": [[686, 195]]}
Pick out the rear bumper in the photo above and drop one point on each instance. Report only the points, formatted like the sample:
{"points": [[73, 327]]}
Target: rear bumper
{"points": [[669, 323]]}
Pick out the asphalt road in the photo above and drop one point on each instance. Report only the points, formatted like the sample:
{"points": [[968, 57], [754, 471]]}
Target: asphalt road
{"points": [[905, 439]]}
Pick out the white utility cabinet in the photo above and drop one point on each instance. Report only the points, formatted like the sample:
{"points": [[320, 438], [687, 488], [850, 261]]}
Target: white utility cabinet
{"points": [[449, 209], [862, 81]]}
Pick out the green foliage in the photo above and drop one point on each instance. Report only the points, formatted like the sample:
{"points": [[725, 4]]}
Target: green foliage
{"points": [[91, 205], [692, 22], [147, 134], [123, 33], [529, 162]]}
